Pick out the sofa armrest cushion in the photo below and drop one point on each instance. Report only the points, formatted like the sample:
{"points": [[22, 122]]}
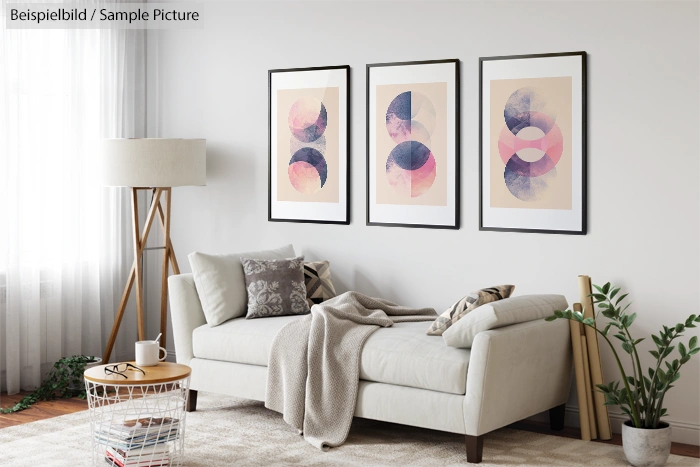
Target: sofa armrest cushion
{"points": [[187, 314], [220, 281], [501, 313]]}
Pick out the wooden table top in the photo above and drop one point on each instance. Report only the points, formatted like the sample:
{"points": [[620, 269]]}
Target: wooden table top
{"points": [[164, 372]]}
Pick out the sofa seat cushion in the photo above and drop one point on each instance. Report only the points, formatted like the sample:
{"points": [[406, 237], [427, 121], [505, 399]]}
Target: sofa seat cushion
{"points": [[239, 340], [404, 355]]}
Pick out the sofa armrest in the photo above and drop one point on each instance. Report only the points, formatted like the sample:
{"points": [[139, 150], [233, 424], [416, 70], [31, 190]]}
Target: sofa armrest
{"points": [[515, 372], [186, 312]]}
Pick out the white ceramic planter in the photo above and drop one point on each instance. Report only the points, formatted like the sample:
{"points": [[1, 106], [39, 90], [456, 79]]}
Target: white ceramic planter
{"points": [[645, 447]]}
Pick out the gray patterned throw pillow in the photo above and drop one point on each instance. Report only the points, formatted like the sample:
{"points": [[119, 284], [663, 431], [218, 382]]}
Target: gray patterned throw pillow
{"points": [[275, 287]]}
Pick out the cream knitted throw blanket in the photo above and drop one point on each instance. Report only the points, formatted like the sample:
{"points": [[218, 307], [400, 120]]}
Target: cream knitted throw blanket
{"points": [[314, 366]]}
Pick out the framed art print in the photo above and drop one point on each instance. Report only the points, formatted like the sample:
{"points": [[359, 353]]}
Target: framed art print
{"points": [[533, 143], [309, 145], [413, 144]]}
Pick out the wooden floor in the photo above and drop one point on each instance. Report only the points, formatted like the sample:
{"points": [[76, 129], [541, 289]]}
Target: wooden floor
{"points": [[39, 411], [49, 409]]}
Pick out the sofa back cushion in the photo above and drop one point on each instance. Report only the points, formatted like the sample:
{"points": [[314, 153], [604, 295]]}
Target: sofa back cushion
{"points": [[220, 281], [501, 313]]}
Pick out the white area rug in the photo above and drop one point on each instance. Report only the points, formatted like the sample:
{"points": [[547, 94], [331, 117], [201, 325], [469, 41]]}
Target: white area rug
{"points": [[226, 431]]}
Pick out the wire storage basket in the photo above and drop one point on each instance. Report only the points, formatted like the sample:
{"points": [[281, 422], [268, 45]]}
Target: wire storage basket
{"points": [[140, 424]]}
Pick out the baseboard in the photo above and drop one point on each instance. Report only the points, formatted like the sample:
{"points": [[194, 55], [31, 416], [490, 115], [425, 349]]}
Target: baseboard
{"points": [[681, 432]]}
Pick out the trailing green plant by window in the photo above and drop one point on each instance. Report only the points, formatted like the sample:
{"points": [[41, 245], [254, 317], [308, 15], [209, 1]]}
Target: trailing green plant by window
{"points": [[63, 381], [641, 396]]}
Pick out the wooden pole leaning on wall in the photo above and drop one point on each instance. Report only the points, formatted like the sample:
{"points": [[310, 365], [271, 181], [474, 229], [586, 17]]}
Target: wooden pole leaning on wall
{"points": [[596, 369], [578, 341], [136, 275]]}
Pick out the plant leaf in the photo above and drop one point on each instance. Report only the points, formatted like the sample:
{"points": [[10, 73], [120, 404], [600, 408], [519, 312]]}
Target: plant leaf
{"points": [[606, 288], [614, 292], [550, 318], [693, 342], [668, 351], [620, 298], [682, 350]]}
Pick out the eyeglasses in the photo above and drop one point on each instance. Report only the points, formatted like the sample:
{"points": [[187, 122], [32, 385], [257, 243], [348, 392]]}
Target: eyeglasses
{"points": [[121, 368]]}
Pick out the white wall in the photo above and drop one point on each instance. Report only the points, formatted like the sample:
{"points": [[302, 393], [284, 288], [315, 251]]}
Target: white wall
{"points": [[644, 201]]}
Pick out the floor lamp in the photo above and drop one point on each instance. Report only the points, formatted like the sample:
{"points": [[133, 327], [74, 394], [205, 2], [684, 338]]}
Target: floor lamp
{"points": [[154, 165]]}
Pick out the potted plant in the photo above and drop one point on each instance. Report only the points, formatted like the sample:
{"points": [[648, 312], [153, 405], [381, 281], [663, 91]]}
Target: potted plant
{"points": [[646, 439], [64, 380]]}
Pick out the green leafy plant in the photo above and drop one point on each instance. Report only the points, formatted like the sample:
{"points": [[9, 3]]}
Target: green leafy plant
{"points": [[640, 397], [63, 381]]}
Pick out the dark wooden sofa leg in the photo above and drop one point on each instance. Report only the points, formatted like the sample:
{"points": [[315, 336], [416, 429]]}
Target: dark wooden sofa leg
{"points": [[475, 447], [556, 417], [191, 401]]}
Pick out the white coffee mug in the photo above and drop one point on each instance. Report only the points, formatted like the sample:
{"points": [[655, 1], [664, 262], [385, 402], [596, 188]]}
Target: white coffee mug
{"points": [[148, 353]]}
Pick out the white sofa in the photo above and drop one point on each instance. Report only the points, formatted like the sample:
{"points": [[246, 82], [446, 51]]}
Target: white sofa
{"points": [[406, 376]]}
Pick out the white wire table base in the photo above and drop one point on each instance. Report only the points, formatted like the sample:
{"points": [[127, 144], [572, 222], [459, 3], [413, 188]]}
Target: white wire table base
{"points": [[138, 425]]}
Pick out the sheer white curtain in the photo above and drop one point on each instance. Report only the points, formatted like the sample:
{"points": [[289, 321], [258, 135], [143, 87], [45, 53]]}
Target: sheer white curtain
{"points": [[64, 243]]}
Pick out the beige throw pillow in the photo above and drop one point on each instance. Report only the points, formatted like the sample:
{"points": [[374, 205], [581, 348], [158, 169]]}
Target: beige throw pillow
{"points": [[467, 304], [220, 281], [502, 313]]}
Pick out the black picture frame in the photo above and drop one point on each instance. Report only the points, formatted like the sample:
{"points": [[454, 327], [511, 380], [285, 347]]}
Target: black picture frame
{"points": [[270, 73], [584, 172], [457, 143]]}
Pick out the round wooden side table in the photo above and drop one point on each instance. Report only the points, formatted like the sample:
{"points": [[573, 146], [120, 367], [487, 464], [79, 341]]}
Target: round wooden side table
{"points": [[138, 418]]}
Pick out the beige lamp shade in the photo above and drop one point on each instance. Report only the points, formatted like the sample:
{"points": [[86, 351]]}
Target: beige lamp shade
{"points": [[154, 162]]}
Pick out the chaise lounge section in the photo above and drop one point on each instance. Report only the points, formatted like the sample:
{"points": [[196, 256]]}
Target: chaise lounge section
{"points": [[406, 376]]}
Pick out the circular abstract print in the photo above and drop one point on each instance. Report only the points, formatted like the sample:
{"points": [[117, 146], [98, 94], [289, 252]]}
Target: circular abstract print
{"points": [[410, 169], [307, 170], [307, 119], [530, 144], [410, 116]]}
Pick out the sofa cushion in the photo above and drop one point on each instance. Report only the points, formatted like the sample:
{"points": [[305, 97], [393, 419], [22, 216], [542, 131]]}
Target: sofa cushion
{"points": [[319, 286], [221, 284], [239, 340], [494, 315], [275, 287], [404, 355]]}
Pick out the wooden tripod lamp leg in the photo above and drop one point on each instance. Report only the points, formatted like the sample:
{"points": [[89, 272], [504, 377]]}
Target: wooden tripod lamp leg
{"points": [[120, 315], [136, 273], [138, 253], [168, 243], [164, 271]]}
